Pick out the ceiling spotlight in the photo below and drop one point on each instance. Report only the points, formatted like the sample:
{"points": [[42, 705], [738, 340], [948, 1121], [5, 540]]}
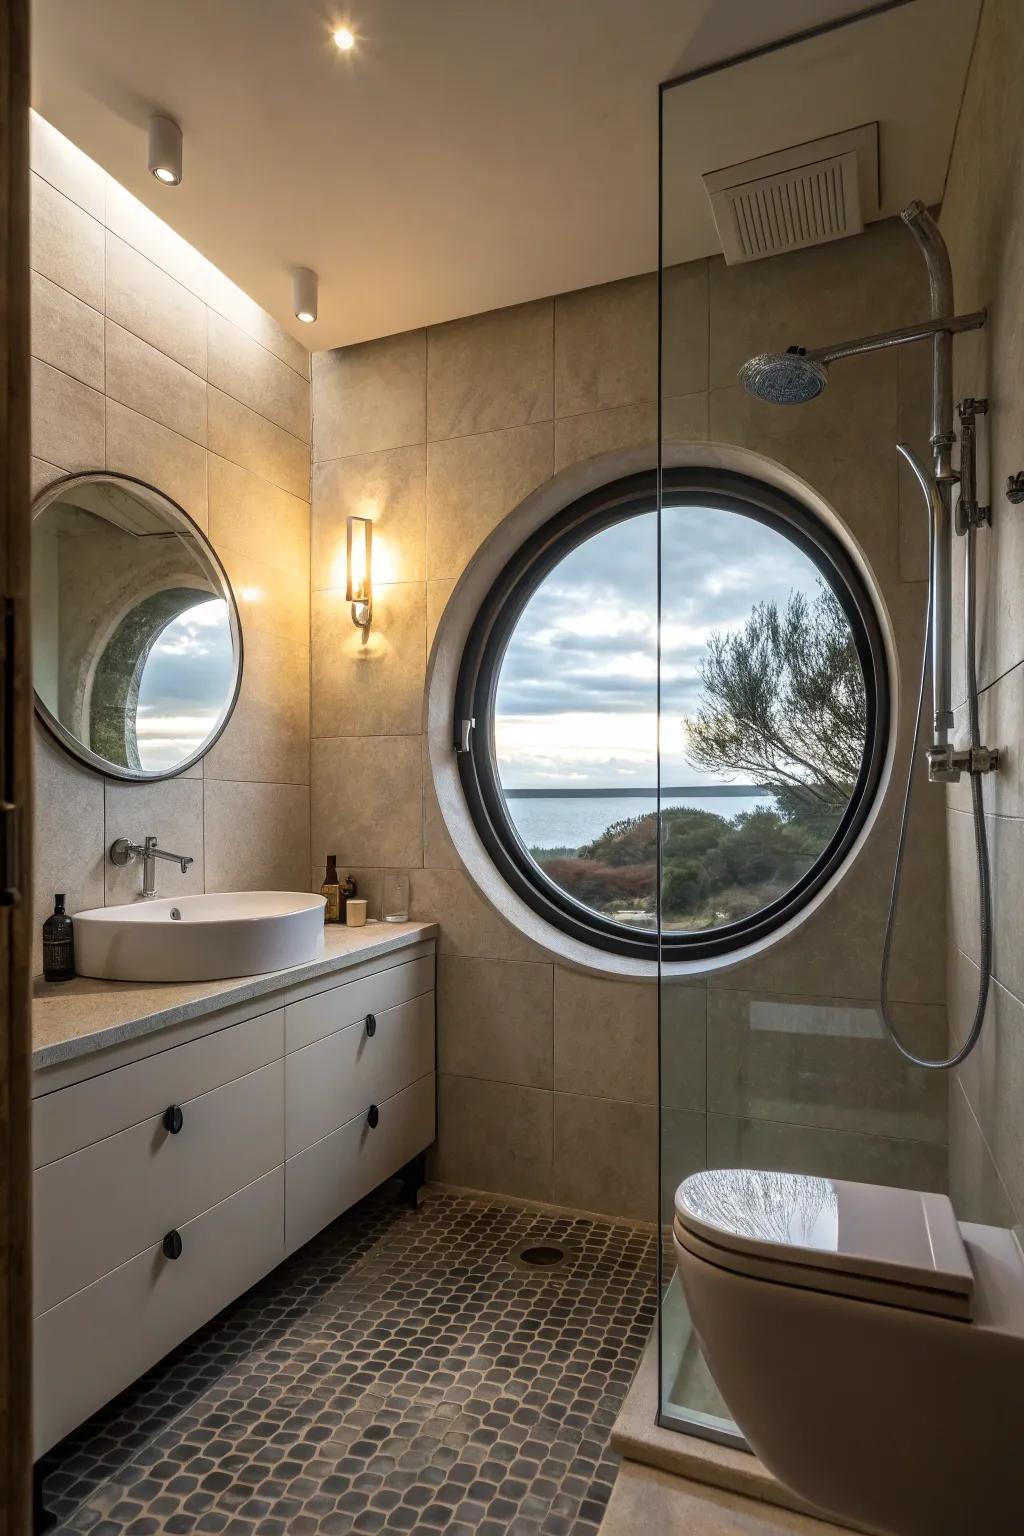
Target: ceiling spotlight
{"points": [[304, 294], [344, 39], [165, 150]]}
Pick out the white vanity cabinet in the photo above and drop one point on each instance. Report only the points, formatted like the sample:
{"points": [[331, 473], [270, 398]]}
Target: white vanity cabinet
{"points": [[174, 1169]]}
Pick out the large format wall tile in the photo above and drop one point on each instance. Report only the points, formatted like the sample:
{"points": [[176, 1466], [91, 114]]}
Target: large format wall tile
{"points": [[474, 482], [975, 1186], [367, 800], [606, 346], [389, 488], [66, 333], [684, 420], [495, 1020], [67, 420], [494, 1136], [145, 301], [490, 371], [242, 368], [69, 842], [469, 924], [606, 1157], [267, 737], [66, 244], [143, 448], [65, 167], [250, 440], [253, 515], [172, 812], [606, 1037], [369, 683], [734, 1143], [152, 383], [370, 396], [257, 836], [992, 1077]]}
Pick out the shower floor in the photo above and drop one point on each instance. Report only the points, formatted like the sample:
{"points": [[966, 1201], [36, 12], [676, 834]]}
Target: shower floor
{"points": [[400, 1373]]}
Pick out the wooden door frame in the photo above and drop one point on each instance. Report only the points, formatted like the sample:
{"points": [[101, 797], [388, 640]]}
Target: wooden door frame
{"points": [[15, 781]]}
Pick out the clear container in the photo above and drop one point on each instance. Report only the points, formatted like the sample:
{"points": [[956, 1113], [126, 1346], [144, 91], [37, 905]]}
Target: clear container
{"points": [[396, 897]]}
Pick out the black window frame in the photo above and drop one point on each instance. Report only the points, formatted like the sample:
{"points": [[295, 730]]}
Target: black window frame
{"points": [[497, 619]]}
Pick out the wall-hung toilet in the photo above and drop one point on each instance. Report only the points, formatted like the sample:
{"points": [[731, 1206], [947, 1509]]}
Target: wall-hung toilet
{"points": [[869, 1346]]}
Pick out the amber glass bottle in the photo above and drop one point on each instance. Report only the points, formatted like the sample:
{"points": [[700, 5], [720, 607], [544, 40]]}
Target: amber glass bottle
{"points": [[331, 891]]}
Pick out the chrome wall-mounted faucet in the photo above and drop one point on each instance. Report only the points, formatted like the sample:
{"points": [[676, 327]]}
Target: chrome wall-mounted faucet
{"points": [[124, 851]]}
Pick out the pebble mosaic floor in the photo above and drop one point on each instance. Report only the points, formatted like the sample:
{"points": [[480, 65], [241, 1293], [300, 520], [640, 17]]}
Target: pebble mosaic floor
{"points": [[400, 1373]]}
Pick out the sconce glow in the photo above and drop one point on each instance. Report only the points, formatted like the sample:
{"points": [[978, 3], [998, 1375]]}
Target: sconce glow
{"points": [[165, 150], [359, 586], [344, 39], [305, 294]]}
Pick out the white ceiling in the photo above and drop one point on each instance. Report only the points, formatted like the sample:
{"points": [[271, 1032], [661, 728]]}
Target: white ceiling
{"points": [[470, 154]]}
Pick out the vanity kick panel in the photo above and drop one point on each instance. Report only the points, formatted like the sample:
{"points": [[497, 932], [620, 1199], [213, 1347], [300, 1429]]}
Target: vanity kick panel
{"points": [[340, 1076], [93, 1345], [97, 1208], [325, 1012], [71, 1118], [340, 1169]]}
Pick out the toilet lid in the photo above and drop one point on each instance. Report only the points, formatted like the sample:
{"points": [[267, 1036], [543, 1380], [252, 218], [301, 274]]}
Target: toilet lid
{"points": [[902, 1246]]}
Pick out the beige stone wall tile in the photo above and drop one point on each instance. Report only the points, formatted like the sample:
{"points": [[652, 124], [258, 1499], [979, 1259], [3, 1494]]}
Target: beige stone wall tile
{"points": [[831, 1154], [67, 420], [66, 333], [256, 835], [255, 516], [267, 737], [975, 1186], [494, 1020], [684, 1150], [606, 346], [65, 167], [269, 599], [606, 1037], [367, 800], [174, 464], [143, 299], [171, 811], [992, 1077], [438, 848], [685, 344], [474, 482], [387, 487], [493, 1136], [914, 384], [469, 925], [685, 419], [369, 682], [242, 368], [606, 1157], [370, 396], [249, 440], [66, 244], [491, 371], [155, 385], [68, 838], [438, 593]]}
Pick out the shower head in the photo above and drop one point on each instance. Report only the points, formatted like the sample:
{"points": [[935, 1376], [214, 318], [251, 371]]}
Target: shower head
{"points": [[784, 378]]}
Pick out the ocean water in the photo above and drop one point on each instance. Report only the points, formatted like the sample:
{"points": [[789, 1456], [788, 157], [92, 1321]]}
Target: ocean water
{"points": [[570, 822]]}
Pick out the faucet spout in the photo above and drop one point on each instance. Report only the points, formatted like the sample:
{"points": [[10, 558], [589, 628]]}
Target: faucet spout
{"points": [[124, 851]]}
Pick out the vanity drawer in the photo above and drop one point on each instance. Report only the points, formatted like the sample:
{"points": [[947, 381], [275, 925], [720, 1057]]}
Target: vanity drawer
{"points": [[335, 1172], [99, 1207], [313, 1017], [96, 1342], [329, 1082], [71, 1118]]}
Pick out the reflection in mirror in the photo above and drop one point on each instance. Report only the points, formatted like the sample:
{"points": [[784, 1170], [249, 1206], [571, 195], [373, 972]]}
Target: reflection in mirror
{"points": [[137, 646]]}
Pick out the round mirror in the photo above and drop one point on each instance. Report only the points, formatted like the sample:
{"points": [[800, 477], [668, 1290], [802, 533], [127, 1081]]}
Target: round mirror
{"points": [[137, 647]]}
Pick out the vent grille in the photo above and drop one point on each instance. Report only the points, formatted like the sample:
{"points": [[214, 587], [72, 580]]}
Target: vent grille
{"points": [[801, 197]]}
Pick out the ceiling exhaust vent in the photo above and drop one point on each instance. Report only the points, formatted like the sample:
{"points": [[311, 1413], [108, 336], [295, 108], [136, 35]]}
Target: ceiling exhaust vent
{"points": [[796, 197]]}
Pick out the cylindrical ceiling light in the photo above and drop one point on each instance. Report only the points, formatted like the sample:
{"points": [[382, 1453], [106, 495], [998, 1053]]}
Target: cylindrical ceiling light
{"points": [[165, 150], [304, 294]]}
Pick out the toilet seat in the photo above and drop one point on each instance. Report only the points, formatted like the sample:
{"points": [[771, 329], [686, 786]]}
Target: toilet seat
{"points": [[898, 1247]]}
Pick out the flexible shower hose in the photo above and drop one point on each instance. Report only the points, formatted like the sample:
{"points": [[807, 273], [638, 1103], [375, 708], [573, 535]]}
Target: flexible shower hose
{"points": [[978, 813]]}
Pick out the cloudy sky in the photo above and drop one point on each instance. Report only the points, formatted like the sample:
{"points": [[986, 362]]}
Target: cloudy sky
{"points": [[576, 694], [184, 685]]}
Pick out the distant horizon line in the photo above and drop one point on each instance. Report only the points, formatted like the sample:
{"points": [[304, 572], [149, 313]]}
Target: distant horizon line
{"points": [[731, 790]]}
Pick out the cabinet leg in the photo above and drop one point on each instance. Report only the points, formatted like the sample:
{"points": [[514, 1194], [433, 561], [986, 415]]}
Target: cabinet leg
{"points": [[413, 1177], [42, 1519]]}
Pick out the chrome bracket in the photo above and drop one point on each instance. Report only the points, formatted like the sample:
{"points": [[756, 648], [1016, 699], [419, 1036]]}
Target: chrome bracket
{"points": [[946, 764], [463, 732], [968, 513]]}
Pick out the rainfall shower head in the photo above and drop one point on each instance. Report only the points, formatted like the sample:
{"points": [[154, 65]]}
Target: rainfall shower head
{"points": [[784, 378]]}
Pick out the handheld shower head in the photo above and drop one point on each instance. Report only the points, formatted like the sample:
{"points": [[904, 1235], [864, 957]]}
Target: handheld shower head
{"points": [[784, 378]]}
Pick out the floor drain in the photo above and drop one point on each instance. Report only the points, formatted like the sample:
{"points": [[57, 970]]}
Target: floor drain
{"points": [[543, 1256]]}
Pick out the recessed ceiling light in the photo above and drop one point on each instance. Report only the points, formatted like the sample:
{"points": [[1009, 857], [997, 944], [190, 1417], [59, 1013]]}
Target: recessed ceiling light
{"points": [[165, 150], [344, 39], [304, 294]]}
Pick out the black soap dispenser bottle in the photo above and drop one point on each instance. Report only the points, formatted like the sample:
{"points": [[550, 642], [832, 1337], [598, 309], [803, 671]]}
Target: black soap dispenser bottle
{"points": [[58, 943]]}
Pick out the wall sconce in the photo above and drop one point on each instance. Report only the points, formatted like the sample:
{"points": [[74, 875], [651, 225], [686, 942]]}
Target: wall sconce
{"points": [[359, 587]]}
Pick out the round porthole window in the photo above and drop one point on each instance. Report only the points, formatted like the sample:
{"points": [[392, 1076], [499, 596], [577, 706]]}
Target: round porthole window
{"points": [[741, 636]]}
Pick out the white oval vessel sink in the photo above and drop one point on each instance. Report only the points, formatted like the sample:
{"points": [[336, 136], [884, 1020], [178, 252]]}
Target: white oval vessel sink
{"points": [[200, 938]]}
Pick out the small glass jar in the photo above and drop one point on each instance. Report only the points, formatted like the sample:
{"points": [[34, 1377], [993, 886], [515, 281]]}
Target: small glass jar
{"points": [[396, 897]]}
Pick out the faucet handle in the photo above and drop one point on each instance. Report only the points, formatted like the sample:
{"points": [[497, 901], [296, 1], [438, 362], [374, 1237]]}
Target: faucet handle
{"points": [[123, 850]]}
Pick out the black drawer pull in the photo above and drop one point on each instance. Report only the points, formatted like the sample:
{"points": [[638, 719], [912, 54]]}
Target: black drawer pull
{"points": [[173, 1119], [371, 1025], [373, 1117], [172, 1245]]}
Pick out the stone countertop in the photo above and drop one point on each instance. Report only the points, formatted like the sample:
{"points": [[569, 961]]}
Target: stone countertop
{"points": [[72, 1018]]}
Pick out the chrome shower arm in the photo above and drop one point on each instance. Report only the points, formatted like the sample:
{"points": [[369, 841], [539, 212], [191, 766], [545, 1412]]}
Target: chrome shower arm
{"points": [[943, 325], [941, 547], [940, 292]]}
